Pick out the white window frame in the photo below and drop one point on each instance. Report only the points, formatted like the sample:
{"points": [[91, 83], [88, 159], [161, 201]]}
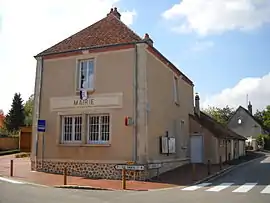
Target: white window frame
{"points": [[79, 73], [99, 141], [63, 141], [175, 89]]}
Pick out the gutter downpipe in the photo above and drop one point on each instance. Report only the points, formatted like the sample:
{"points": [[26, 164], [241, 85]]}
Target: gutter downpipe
{"points": [[135, 98]]}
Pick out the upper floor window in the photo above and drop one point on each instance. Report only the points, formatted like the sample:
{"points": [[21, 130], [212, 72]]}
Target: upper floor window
{"points": [[86, 75], [176, 90]]}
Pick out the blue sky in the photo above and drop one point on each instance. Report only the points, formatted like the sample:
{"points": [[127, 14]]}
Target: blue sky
{"points": [[230, 57], [222, 45]]}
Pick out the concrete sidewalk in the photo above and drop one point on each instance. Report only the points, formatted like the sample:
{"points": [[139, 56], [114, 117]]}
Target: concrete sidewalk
{"points": [[178, 177]]}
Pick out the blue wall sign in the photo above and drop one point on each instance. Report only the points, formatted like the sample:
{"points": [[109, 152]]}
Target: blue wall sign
{"points": [[41, 126]]}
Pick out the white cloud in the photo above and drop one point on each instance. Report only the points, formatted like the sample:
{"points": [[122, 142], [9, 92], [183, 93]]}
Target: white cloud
{"points": [[128, 17], [34, 25], [257, 89], [202, 45], [217, 16]]}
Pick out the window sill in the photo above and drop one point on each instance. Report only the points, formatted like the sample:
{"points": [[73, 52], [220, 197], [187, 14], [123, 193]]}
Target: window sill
{"points": [[83, 145], [91, 91]]}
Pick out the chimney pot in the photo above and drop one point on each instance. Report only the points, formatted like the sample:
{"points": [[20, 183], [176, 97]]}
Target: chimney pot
{"points": [[115, 13], [250, 107], [148, 39], [197, 105]]}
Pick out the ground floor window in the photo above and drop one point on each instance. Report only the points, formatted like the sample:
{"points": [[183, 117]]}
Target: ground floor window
{"points": [[71, 129], [98, 128], [87, 129]]}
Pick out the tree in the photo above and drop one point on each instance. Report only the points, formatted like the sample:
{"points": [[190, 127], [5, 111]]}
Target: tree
{"points": [[3, 131], [28, 110], [259, 116], [264, 117], [15, 116], [221, 115]]}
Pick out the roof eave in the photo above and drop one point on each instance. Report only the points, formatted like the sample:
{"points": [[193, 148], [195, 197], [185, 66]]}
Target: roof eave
{"points": [[87, 48]]}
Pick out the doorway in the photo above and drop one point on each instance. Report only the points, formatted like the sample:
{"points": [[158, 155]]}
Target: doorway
{"points": [[196, 149]]}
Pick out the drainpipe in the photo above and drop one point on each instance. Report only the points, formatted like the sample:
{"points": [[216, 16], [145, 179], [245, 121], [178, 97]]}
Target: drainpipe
{"points": [[37, 96], [135, 99]]}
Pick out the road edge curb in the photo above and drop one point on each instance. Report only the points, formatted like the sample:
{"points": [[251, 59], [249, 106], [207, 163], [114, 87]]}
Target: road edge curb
{"points": [[82, 187], [95, 188]]}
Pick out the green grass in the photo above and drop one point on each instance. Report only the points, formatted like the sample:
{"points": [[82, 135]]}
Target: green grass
{"points": [[7, 152]]}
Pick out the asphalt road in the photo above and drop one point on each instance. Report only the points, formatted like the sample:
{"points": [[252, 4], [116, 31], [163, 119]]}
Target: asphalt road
{"points": [[243, 185]]}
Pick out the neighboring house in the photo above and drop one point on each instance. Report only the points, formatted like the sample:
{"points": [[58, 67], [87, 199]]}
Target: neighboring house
{"points": [[212, 141], [125, 76], [244, 123]]}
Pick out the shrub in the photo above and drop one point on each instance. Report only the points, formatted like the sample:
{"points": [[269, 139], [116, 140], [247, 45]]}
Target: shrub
{"points": [[264, 140]]}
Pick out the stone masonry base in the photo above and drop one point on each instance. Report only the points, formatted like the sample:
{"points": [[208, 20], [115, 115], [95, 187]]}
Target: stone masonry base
{"points": [[89, 170], [100, 170]]}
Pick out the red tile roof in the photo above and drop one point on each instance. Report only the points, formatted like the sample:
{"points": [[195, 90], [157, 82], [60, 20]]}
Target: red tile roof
{"points": [[109, 30], [216, 128]]}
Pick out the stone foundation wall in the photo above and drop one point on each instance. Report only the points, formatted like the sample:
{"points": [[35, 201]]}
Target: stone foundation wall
{"points": [[101, 170], [89, 170]]}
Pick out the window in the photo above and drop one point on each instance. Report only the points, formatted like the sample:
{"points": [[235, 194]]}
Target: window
{"points": [[71, 129], [239, 121], [98, 129], [176, 92], [86, 75]]}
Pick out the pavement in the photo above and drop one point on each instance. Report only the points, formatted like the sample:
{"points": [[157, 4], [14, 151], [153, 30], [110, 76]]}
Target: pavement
{"points": [[181, 176], [248, 183]]}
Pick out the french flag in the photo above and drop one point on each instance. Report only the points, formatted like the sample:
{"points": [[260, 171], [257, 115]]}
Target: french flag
{"points": [[83, 94]]}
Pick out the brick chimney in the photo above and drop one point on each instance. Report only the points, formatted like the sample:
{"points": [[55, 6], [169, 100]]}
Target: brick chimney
{"points": [[250, 108], [148, 39], [197, 105], [115, 13]]}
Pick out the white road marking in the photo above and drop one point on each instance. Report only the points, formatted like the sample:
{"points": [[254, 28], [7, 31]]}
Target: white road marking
{"points": [[245, 188], [196, 187], [266, 190], [219, 187], [10, 180]]}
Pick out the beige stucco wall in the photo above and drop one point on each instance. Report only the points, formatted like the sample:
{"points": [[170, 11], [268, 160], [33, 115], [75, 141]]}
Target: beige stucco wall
{"points": [[241, 148], [234, 149], [212, 147], [164, 115], [113, 75]]}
